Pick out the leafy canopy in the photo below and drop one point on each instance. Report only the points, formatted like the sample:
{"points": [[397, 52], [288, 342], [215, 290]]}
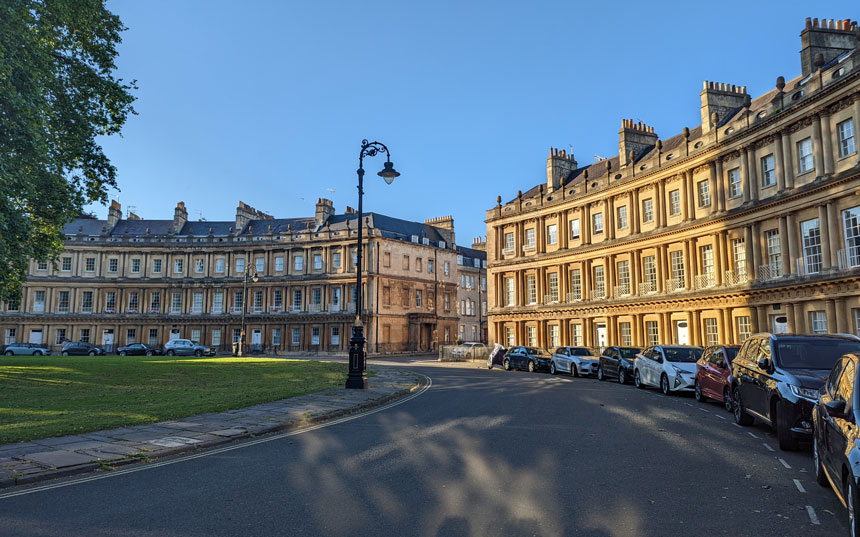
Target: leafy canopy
{"points": [[57, 94]]}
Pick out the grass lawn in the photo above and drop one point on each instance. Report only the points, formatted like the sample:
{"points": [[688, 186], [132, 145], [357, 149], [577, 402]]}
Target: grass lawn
{"points": [[41, 397]]}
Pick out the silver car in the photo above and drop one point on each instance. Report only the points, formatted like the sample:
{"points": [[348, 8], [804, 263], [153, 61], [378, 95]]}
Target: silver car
{"points": [[186, 347], [574, 360], [27, 349]]}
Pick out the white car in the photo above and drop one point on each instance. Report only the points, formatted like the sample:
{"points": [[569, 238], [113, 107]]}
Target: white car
{"points": [[672, 368], [574, 360]]}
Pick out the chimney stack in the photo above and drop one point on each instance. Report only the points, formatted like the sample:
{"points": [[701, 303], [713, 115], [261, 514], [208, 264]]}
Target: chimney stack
{"points": [[558, 166], [180, 216], [633, 140], [325, 209], [721, 99], [826, 37], [114, 214]]}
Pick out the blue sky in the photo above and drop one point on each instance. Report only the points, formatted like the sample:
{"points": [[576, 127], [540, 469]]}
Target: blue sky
{"points": [[267, 102]]}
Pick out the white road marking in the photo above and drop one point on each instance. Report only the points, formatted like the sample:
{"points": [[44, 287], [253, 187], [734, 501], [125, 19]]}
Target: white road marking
{"points": [[721, 417], [799, 486], [785, 463], [704, 410], [215, 451], [812, 516], [736, 425], [751, 434], [768, 447], [688, 404]]}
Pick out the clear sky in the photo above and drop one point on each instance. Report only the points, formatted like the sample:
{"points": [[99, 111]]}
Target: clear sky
{"points": [[267, 102]]}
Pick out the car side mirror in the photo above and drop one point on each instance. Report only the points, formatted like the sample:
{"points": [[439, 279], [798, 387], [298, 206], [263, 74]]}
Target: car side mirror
{"points": [[836, 409], [721, 364], [764, 363]]}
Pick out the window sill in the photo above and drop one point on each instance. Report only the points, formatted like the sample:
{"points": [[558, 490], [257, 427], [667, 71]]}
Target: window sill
{"points": [[765, 187], [807, 172], [849, 155]]}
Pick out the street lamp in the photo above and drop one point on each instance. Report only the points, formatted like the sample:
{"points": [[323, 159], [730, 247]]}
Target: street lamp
{"points": [[357, 377], [255, 279]]}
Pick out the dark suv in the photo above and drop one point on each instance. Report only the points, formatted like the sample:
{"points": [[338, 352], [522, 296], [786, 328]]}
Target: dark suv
{"points": [[837, 456], [776, 378]]}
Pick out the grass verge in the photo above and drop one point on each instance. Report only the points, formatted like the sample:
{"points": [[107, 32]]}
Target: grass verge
{"points": [[49, 396]]}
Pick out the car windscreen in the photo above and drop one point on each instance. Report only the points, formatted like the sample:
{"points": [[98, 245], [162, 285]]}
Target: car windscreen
{"points": [[813, 353], [731, 352], [679, 354], [629, 352], [537, 352], [579, 351]]}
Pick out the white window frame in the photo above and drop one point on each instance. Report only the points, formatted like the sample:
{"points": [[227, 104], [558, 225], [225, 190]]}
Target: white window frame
{"points": [[811, 235], [805, 161], [735, 183], [768, 171], [845, 132]]}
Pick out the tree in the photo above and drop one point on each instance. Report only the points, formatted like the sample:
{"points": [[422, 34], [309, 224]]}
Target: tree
{"points": [[57, 94]]}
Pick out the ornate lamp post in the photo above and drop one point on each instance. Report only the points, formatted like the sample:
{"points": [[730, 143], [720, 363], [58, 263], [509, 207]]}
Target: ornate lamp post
{"points": [[255, 279], [357, 377]]}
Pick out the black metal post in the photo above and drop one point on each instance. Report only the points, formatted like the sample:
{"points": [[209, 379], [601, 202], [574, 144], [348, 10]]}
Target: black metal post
{"points": [[357, 377]]}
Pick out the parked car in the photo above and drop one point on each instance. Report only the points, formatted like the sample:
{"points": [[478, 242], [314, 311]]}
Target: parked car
{"points": [[139, 349], [574, 360], [672, 368], [714, 374], [186, 347], [776, 379], [835, 451], [27, 349], [497, 356], [617, 362], [531, 358], [467, 350], [80, 348]]}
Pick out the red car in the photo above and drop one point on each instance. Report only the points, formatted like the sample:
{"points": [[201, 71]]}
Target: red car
{"points": [[713, 374]]}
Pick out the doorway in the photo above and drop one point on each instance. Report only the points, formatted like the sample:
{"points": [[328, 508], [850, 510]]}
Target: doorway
{"points": [[600, 333], [779, 323], [107, 339], [36, 337], [682, 334]]}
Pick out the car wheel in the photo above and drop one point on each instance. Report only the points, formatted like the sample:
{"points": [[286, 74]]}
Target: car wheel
{"points": [[9, 353], [531, 367], [149, 353], [622, 377], [600, 373], [574, 372], [700, 397], [122, 353], [851, 500], [171, 353], [727, 399], [664, 384], [507, 364], [65, 353], [820, 477], [637, 379], [783, 427], [741, 417], [552, 368], [92, 353], [198, 353]]}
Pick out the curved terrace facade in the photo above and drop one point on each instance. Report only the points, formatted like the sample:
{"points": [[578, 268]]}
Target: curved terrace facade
{"points": [[749, 222]]}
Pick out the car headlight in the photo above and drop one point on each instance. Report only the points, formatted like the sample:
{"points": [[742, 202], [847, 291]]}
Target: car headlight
{"points": [[807, 393], [678, 370]]}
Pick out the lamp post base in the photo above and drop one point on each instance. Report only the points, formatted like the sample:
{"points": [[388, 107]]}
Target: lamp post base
{"points": [[357, 378]]}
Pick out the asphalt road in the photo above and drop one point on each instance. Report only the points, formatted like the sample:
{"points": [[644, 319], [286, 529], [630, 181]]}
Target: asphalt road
{"points": [[480, 453]]}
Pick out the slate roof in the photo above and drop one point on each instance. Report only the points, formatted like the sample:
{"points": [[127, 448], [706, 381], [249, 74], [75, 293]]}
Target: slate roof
{"points": [[471, 253]]}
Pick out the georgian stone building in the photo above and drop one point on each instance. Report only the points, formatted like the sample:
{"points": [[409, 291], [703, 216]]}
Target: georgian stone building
{"points": [[748, 222], [472, 293], [121, 281]]}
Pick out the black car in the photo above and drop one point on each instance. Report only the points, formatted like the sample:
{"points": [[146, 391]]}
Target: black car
{"points": [[531, 358], [139, 349], [617, 362], [79, 348], [776, 379], [835, 419]]}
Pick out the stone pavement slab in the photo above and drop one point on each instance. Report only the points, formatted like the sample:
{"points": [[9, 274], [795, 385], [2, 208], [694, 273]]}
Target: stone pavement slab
{"points": [[40, 460]]}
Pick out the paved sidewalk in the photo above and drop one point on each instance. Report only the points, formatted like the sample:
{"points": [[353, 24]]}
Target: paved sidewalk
{"points": [[39, 460]]}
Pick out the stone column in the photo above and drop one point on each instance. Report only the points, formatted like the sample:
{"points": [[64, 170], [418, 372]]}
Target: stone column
{"points": [[690, 263], [827, 141], [721, 326], [817, 146], [779, 162], [611, 330], [634, 212], [609, 271], [660, 258], [763, 324], [685, 196], [843, 319], [585, 224], [799, 318], [635, 272], [718, 259], [756, 247], [563, 230], [712, 187], [754, 324], [659, 206], [753, 173], [824, 234], [730, 336], [783, 246], [694, 329], [794, 249], [745, 175], [586, 279], [540, 235], [830, 312], [787, 155], [721, 185], [792, 320], [610, 218], [833, 232], [748, 253]]}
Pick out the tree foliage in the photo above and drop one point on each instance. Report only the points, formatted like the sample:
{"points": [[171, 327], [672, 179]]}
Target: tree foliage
{"points": [[57, 94]]}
